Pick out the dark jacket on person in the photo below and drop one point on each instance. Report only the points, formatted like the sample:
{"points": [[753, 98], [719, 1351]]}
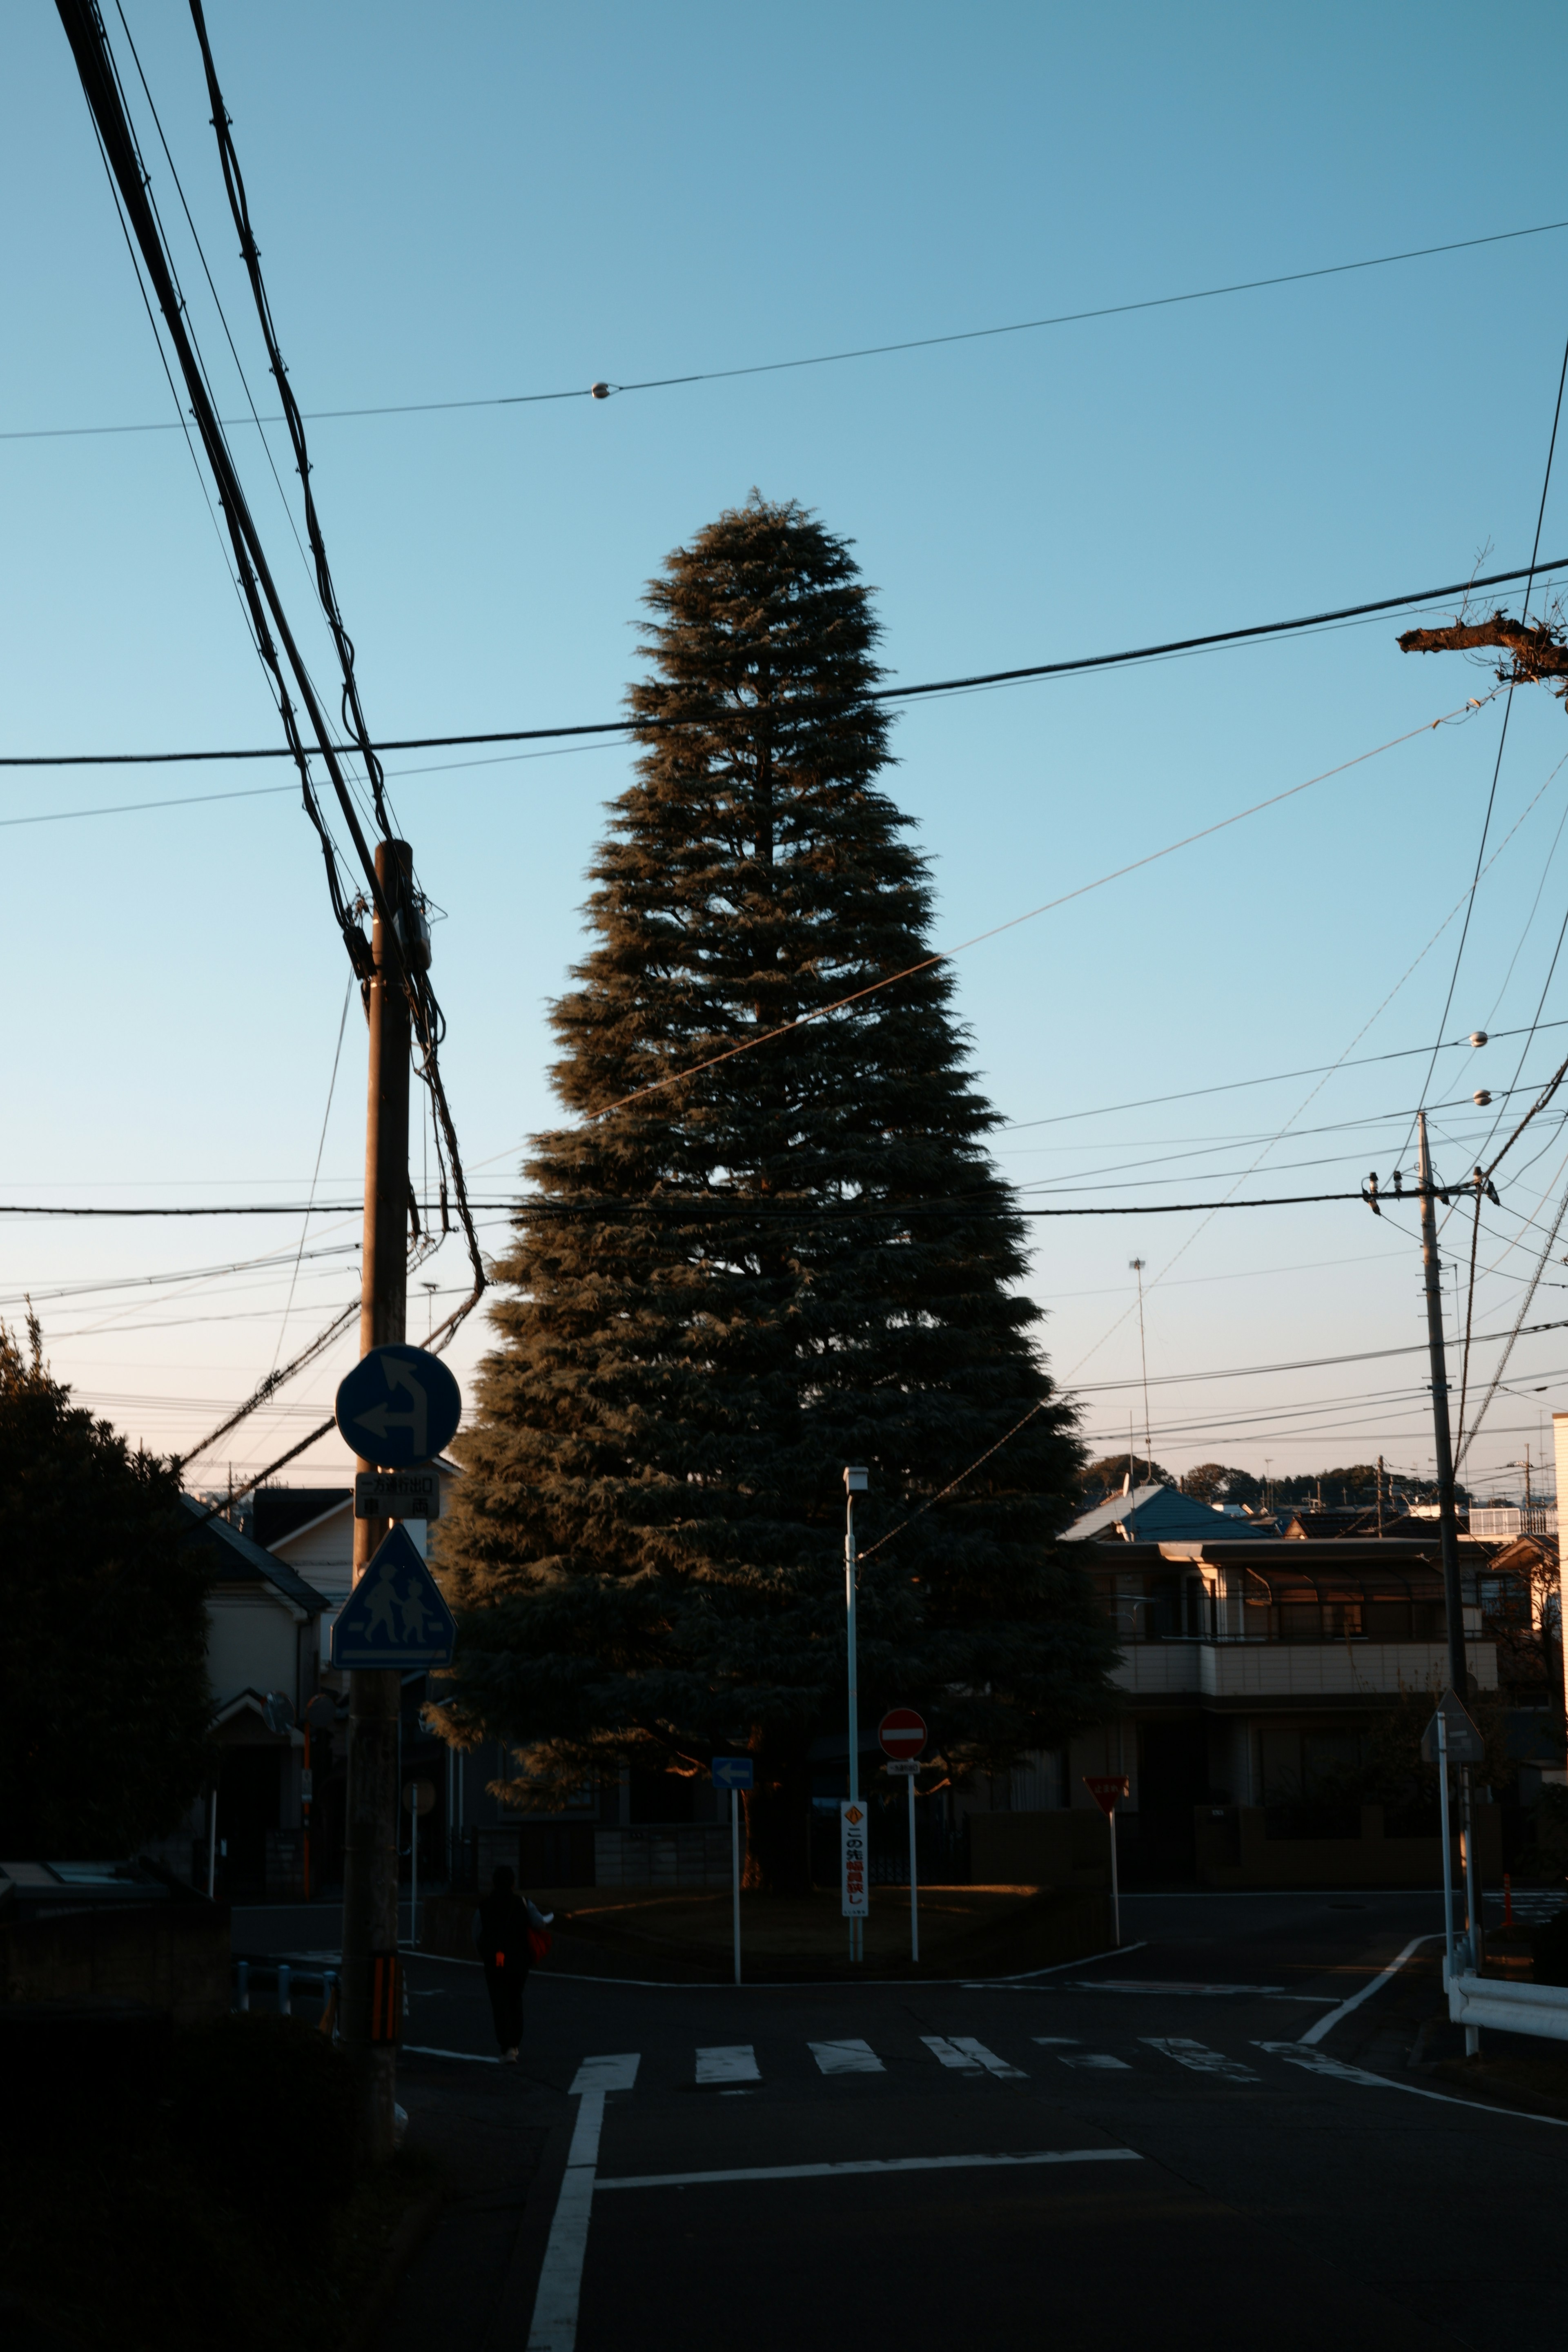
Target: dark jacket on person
{"points": [[500, 1927]]}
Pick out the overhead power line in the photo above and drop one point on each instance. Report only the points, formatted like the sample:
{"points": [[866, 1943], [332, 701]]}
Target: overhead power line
{"points": [[1078, 665], [606, 391]]}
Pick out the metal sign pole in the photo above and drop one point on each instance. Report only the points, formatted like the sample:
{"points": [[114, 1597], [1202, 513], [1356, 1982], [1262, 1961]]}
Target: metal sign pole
{"points": [[1115, 1891], [735, 1871], [1448, 1851], [914, 1882], [855, 1482]]}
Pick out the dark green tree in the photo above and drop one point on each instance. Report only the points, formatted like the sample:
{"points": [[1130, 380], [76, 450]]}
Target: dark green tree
{"points": [[1100, 1480], [744, 1269], [103, 1689]]}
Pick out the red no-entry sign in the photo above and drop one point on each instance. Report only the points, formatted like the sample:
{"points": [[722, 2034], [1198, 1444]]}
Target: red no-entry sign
{"points": [[902, 1732], [1105, 1789]]}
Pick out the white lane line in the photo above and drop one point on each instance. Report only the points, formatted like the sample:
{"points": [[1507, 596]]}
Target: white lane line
{"points": [[1201, 2060], [1093, 2060], [987, 2058], [727, 2062], [950, 2055], [469, 2057], [846, 2058], [1318, 2062], [877, 2164], [1194, 1991], [616, 2073], [554, 2328], [1326, 2024]]}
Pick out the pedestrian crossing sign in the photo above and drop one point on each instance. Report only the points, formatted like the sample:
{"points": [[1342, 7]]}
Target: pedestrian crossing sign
{"points": [[395, 1615]]}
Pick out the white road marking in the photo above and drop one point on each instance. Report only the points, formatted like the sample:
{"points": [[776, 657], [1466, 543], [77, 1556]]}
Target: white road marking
{"points": [[950, 2055], [1094, 2059], [1194, 1991], [876, 2164], [1056, 2041], [616, 2073], [1201, 2060], [470, 2057], [555, 2326], [846, 2058], [1326, 2024], [987, 2058], [727, 2062], [1318, 2062], [967, 2056]]}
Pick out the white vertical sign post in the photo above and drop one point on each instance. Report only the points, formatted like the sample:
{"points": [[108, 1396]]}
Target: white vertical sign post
{"points": [[854, 1872], [902, 1737], [856, 1481], [914, 1881], [1105, 1787], [734, 1773]]}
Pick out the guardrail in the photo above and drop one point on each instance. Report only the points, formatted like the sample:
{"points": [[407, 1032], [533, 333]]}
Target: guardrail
{"points": [[1541, 2010], [288, 1980]]}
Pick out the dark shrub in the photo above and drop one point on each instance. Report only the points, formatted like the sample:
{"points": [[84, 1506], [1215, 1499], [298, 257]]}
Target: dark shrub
{"points": [[267, 2106]]}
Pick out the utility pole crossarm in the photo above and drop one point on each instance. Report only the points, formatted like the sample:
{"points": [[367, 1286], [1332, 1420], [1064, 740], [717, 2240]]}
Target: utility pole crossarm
{"points": [[1537, 648]]}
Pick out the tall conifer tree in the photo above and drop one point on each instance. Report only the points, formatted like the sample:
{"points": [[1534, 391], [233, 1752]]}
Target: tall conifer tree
{"points": [[735, 1283]]}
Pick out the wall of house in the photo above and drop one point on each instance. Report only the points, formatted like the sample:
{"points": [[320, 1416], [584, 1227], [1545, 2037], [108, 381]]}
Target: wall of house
{"points": [[253, 1644]]}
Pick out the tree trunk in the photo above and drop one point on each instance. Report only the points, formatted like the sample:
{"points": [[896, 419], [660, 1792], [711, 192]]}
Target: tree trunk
{"points": [[778, 1824]]}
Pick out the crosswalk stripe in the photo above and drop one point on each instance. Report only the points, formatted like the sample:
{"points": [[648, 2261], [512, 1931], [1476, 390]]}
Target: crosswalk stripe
{"points": [[1094, 2059], [846, 2058], [987, 2058], [616, 2073], [948, 2054], [1201, 2060], [727, 2062]]}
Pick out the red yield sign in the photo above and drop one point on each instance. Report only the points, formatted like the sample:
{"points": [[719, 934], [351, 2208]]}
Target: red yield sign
{"points": [[902, 1732], [1105, 1789]]}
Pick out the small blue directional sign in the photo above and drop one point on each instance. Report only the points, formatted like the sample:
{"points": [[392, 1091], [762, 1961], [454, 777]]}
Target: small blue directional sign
{"points": [[395, 1615], [732, 1772], [399, 1405]]}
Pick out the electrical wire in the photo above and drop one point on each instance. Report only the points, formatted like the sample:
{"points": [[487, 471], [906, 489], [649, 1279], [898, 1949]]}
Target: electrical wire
{"points": [[1076, 667], [315, 1173], [604, 391]]}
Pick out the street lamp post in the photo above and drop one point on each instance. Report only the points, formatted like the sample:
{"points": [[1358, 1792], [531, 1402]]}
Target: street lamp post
{"points": [[856, 1481]]}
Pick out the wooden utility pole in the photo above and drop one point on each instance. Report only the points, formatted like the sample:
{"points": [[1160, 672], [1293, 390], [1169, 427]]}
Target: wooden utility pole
{"points": [[1448, 1519], [371, 1977]]}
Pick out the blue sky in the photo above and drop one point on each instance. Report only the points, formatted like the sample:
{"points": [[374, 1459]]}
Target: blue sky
{"points": [[459, 203]]}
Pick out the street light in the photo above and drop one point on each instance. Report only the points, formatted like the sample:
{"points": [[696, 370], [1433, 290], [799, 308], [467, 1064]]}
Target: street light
{"points": [[856, 1481]]}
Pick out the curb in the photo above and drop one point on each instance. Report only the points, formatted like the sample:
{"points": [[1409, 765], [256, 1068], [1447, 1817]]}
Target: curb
{"points": [[404, 2244]]}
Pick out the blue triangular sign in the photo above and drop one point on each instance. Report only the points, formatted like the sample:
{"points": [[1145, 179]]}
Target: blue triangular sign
{"points": [[395, 1615]]}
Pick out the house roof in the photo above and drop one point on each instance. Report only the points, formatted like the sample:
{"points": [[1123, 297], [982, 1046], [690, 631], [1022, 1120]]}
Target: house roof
{"points": [[235, 1558], [1160, 1514], [278, 1512]]}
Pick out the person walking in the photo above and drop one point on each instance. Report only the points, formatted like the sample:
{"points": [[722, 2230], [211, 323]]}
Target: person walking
{"points": [[504, 1929]]}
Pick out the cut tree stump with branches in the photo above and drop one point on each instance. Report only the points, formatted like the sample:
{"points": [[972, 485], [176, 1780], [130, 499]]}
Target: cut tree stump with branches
{"points": [[1537, 650]]}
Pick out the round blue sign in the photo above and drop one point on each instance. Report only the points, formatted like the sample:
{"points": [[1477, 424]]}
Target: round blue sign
{"points": [[399, 1405]]}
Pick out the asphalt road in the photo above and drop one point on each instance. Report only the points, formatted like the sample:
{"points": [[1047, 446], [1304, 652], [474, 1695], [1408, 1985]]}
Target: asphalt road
{"points": [[1143, 2149]]}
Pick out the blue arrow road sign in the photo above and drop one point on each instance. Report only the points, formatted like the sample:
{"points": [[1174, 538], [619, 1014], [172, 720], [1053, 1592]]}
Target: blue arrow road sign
{"points": [[732, 1772], [395, 1615], [399, 1405]]}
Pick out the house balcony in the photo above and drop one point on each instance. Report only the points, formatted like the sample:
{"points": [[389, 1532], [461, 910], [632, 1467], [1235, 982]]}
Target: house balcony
{"points": [[1240, 1673]]}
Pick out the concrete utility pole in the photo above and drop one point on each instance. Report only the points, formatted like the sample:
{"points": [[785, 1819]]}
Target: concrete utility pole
{"points": [[1447, 1520], [370, 1987]]}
